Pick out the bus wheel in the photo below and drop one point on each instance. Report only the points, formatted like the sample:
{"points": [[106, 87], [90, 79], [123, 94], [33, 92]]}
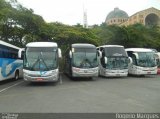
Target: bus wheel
{"points": [[16, 77]]}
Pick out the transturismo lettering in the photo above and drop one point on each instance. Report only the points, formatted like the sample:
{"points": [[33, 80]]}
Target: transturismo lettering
{"points": [[147, 116], [125, 116]]}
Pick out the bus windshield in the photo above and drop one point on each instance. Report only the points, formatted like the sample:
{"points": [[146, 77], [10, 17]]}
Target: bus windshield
{"points": [[85, 58], [117, 63], [41, 58], [146, 59], [115, 51]]}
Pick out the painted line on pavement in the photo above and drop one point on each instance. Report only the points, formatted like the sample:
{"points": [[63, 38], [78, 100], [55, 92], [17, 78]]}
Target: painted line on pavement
{"points": [[10, 86]]}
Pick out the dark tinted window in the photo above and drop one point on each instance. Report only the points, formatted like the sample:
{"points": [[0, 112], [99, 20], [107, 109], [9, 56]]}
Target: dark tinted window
{"points": [[7, 52]]}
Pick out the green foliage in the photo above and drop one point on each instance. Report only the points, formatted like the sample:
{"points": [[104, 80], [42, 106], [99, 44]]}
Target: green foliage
{"points": [[66, 35], [17, 21], [19, 25], [136, 35]]}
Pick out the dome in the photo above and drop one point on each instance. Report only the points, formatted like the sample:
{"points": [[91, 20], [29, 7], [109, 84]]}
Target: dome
{"points": [[117, 13]]}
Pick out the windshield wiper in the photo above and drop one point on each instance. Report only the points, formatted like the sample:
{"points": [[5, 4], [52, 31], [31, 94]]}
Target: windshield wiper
{"points": [[35, 63], [44, 61], [39, 60]]}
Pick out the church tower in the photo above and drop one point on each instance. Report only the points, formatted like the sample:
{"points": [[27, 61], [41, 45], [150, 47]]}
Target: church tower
{"points": [[85, 24]]}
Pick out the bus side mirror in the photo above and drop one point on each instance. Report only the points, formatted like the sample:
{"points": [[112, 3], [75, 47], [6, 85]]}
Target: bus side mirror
{"points": [[156, 57], [105, 60], [70, 54], [20, 53], [137, 57], [99, 54], [130, 60], [59, 53]]}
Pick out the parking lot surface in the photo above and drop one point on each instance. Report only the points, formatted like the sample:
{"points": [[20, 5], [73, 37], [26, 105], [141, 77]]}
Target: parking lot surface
{"points": [[129, 94]]}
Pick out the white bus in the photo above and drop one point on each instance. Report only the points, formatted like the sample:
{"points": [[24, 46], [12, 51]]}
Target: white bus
{"points": [[81, 60], [144, 61], [41, 62], [113, 61], [11, 65]]}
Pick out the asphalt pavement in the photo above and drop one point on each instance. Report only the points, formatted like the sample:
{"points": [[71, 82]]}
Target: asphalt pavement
{"points": [[101, 95]]}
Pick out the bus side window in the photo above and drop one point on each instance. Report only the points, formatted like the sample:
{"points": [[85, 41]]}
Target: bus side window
{"points": [[4, 54], [0, 53]]}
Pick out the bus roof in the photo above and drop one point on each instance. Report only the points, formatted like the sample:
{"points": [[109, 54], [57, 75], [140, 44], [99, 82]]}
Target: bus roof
{"points": [[42, 44], [9, 45], [111, 46], [139, 50], [82, 45]]}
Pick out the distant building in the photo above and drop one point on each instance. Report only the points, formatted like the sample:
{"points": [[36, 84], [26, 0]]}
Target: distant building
{"points": [[116, 16], [85, 23], [146, 17]]}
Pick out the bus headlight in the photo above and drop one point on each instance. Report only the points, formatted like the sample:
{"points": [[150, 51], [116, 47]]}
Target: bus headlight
{"points": [[95, 70], [55, 71], [75, 69]]}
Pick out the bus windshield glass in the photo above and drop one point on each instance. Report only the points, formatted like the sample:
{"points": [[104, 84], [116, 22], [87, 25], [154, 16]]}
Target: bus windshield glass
{"points": [[41, 58], [146, 59], [85, 57], [117, 63], [115, 51]]}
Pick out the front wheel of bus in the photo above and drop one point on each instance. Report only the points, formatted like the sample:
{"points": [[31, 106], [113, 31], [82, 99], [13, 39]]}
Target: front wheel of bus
{"points": [[16, 77]]}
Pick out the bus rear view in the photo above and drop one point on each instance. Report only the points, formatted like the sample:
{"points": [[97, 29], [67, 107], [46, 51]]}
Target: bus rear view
{"points": [[41, 62]]}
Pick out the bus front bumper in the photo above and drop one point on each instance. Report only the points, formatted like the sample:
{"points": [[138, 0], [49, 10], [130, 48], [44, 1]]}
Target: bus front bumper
{"points": [[145, 72], [41, 79], [136, 70], [116, 73], [92, 72], [52, 77]]}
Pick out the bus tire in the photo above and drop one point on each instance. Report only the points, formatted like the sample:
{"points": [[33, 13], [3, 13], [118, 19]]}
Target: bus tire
{"points": [[16, 77]]}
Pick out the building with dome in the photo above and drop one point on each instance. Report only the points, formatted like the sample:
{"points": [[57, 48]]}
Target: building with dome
{"points": [[116, 16], [148, 17]]}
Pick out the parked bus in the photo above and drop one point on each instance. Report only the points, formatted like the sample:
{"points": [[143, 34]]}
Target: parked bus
{"points": [[81, 60], [158, 62], [41, 62], [11, 65], [144, 61], [113, 61]]}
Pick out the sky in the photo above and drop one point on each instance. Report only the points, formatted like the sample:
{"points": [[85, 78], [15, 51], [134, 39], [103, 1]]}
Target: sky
{"points": [[70, 12]]}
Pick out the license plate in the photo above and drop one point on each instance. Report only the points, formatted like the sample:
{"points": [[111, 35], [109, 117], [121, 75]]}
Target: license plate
{"points": [[149, 72], [39, 79]]}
